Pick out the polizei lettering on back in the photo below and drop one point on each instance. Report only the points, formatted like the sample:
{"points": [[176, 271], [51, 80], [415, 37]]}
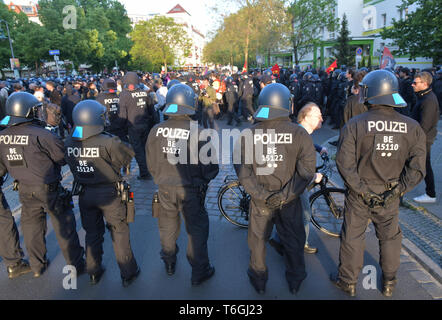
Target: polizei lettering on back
{"points": [[83, 152], [273, 138], [139, 94], [387, 126], [174, 133], [14, 139]]}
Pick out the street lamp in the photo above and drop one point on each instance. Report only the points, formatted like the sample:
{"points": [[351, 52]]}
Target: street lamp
{"points": [[2, 37]]}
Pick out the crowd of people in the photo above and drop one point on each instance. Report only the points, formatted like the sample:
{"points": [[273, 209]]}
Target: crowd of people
{"points": [[99, 123]]}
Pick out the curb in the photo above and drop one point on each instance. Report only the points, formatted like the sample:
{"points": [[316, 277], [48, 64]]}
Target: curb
{"points": [[426, 262]]}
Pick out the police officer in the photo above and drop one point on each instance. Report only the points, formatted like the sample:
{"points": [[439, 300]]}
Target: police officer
{"points": [[109, 98], [275, 185], [295, 90], [10, 250], [232, 101], [95, 159], [381, 156], [137, 109], [34, 156], [182, 181], [246, 91]]}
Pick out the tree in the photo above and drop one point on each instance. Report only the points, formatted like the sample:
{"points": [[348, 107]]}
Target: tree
{"points": [[159, 41], [420, 33], [342, 48], [307, 17]]}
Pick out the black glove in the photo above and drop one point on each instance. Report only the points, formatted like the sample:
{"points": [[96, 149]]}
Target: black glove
{"points": [[390, 195], [373, 200], [274, 201]]}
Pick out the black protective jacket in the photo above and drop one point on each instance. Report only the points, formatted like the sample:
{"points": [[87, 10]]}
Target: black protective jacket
{"points": [[98, 159], [31, 154], [380, 147], [172, 150], [286, 166]]}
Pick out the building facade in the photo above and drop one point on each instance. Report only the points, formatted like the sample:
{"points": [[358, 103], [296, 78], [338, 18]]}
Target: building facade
{"points": [[27, 7], [184, 18], [366, 19]]}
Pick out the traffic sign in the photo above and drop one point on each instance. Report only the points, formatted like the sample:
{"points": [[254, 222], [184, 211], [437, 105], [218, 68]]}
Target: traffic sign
{"points": [[54, 52], [359, 51]]}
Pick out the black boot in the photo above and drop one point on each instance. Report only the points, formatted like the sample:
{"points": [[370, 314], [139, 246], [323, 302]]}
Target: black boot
{"points": [[128, 282], [20, 268], [388, 287], [207, 276], [96, 277], [349, 289]]}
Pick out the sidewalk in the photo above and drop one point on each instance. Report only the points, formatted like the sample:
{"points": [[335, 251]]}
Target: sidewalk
{"points": [[421, 224]]}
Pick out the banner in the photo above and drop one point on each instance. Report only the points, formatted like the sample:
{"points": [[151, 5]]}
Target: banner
{"points": [[387, 60]]}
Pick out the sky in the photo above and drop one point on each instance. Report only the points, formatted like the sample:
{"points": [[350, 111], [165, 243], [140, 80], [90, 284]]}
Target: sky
{"points": [[204, 18]]}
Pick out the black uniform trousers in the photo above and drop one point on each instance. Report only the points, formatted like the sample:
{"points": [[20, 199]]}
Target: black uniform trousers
{"points": [[10, 249], [36, 202], [289, 223], [98, 202], [430, 188], [247, 106], [138, 138], [386, 223], [190, 202], [208, 117], [231, 113]]}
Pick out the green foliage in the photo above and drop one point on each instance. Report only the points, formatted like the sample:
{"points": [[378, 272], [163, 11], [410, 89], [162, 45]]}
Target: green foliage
{"points": [[99, 37], [307, 18], [362, 64], [158, 42], [420, 34], [342, 48]]}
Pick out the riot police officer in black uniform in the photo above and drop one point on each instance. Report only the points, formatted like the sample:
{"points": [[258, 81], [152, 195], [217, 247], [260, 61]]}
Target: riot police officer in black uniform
{"points": [[232, 101], [295, 90], [109, 98], [182, 180], [34, 156], [10, 250], [275, 183], [137, 108], [95, 159], [246, 91], [381, 156]]}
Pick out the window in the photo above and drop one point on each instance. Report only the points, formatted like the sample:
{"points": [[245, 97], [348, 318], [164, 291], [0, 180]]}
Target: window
{"points": [[27, 9], [384, 19], [370, 23]]}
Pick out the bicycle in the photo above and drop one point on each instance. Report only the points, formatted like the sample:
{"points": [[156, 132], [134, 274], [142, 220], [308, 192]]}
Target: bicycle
{"points": [[326, 203]]}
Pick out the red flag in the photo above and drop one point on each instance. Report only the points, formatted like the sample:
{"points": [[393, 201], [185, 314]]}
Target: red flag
{"points": [[332, 67], [387, 60], [244, 69]]}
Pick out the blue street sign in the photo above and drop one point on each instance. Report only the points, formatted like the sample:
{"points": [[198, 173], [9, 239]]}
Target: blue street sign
{"points": [[54, 52], [359, 51]]}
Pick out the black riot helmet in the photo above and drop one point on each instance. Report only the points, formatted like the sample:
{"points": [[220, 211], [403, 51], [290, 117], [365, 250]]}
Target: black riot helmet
{"points": [[172, 83], [381, 87], [307, 76], [109, 86], [342, 76], [20, 107], [180, 100], [274, 101], [293, 77], [89, 118], [229, 80], [336, 73]]}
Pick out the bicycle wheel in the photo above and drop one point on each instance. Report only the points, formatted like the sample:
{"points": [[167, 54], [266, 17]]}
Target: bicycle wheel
{"points": [[328, 210], [233, 203]]}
